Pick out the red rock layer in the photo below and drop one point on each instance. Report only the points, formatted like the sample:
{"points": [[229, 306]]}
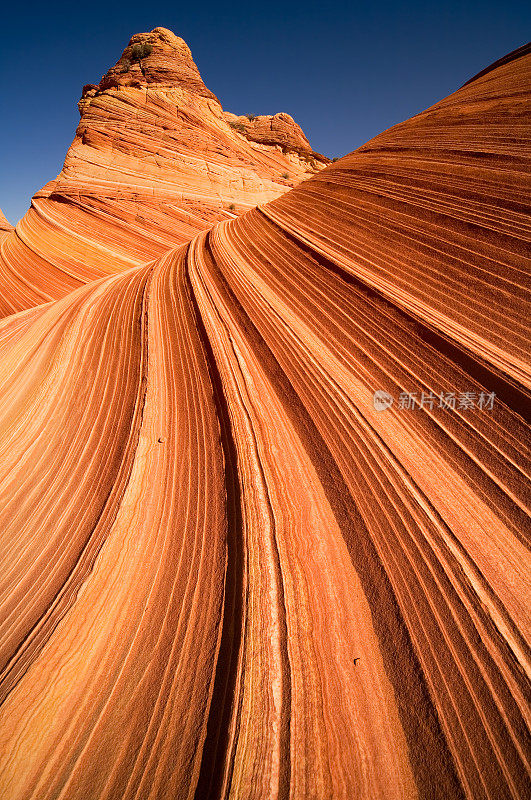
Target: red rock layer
{"points": [[154, 161], [226, 575]]}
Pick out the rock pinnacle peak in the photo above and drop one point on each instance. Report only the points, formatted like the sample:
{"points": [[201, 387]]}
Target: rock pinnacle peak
{"points": [[155, 58]]}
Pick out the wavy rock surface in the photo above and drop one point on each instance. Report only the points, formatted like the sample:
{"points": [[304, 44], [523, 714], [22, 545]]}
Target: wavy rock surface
{"points": [[154, 161], [225, 574]]}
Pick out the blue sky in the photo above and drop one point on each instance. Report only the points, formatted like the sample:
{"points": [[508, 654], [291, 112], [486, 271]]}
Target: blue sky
{"points": [[345, 71]]}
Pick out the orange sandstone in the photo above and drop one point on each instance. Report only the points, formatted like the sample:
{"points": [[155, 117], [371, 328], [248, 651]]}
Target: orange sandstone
{"points": [[154, 161], [225, 574]]}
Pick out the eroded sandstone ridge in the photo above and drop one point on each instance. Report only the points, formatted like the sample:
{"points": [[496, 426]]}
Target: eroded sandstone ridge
{"points": [[225, 574], [154, 161]]}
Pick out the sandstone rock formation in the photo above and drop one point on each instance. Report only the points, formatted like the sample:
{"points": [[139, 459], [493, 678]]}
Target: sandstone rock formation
{"points": [[5, 226], [225, 573], [154, 161]]}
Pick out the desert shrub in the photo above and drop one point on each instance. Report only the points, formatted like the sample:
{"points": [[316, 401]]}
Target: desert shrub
{"points": [[335, 159], [238, 126], [124, 65], [232, 207], [141, 50], [285, 175], [251, 117]]}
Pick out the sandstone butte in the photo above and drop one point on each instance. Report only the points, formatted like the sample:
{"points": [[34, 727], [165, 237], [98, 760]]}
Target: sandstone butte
{"points": [[155, 160], [224, 573]]}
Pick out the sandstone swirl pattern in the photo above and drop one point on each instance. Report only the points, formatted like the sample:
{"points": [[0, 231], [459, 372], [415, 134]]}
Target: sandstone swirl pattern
{"points": [[224, 573]]}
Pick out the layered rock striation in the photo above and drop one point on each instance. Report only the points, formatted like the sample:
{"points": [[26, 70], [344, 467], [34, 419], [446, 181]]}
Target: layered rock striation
{"points": [[227, 573]]}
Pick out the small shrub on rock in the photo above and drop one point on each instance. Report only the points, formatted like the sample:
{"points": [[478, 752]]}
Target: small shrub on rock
{"points": [[141, 50], [251, 117], [285, 175], [232, 207], [238, 126], [125, 65]]}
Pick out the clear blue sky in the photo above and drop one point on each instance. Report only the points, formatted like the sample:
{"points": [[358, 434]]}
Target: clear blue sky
{"points": [[345, 71]]}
